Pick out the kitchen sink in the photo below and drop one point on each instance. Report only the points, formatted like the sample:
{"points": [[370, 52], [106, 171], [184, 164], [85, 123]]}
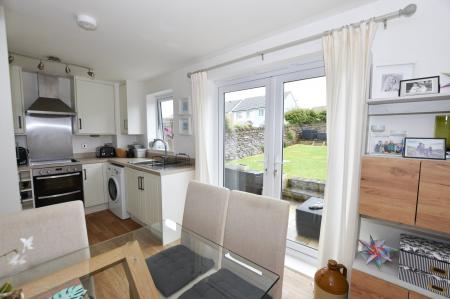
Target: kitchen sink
{"points": [[161, 163]]}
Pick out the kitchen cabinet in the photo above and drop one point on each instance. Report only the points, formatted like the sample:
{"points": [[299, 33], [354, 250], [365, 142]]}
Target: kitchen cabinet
{"points": [[123, 109], [94, 102], [388, 189], [15, 73], [143, 196], [365, 286], [93, 185], [152, 198], [434, 196], [132, 108]]}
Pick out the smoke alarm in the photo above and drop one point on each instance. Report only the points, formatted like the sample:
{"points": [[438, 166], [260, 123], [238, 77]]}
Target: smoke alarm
{"points": [[87, 22]]}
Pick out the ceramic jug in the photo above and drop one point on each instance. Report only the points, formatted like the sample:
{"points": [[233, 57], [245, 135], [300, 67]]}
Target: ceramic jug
{"points": [[331, 282]]}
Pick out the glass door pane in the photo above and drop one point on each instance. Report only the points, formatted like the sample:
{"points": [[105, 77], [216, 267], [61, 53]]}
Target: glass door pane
{"points": [[244, 137], [304, 165]]}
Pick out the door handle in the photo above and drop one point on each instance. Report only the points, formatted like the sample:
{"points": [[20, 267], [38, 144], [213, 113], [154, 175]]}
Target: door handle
{"points": [[59, 195], [275, 166], [85, 174], [80, 124], [20, 121]]}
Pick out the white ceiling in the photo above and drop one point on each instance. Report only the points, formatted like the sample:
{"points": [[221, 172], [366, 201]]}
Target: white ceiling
{"points": [[142, 38]]}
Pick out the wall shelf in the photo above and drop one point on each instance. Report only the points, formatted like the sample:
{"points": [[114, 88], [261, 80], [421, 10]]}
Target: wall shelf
{"points": [[389, 272], [410, 99]]}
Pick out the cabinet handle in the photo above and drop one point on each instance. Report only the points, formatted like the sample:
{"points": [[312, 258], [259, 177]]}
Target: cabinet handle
{"points": [[139, 183], [20, 121], [142, 183], [125, 124], [85, 175], [80, 126]]}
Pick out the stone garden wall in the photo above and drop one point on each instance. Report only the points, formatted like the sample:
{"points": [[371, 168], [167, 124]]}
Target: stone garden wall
{"points": [[244, 142]]}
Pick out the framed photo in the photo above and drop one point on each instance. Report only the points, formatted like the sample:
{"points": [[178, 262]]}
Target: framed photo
{"points": [[184, 124], [419, 86], [386, 79], [425, 148], [184, 106]]}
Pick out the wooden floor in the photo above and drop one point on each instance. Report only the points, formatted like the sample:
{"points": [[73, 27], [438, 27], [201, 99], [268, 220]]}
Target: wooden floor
{"points": [[104, 225]]}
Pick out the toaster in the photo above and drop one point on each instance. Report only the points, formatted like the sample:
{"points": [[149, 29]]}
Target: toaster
{"points": [[105, 151]]}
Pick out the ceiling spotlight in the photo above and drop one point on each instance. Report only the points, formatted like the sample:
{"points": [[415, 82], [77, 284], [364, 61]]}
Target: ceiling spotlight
{"points": [[67, 69], [91, 73], [87, 22], [10, 59], [40, 66]]}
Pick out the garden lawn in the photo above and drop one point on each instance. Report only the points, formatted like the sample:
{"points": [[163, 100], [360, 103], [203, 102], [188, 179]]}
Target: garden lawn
{"points": [[300, 160]]}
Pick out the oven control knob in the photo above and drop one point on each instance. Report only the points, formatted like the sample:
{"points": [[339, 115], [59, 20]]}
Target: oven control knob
{"points": [[49, 171], [42, 171]]}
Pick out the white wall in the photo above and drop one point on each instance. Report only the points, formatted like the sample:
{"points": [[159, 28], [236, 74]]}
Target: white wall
{"points": [[421, 39], [9, 182]]}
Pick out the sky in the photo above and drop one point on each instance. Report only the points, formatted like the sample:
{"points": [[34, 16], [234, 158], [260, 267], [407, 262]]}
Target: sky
{"points": [[308, 93]]}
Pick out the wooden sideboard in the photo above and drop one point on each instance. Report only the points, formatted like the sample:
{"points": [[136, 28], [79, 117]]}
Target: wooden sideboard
{"points": [[413, 192]]}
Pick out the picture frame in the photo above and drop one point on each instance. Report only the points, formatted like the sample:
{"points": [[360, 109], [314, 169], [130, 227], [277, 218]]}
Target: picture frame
{"points": [[184, 126], [419, 86], [184, 106], [386, 79], [425, 148]]}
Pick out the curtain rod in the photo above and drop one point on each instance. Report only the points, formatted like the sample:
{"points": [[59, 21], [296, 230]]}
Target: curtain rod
{"points": [[408, 11]]}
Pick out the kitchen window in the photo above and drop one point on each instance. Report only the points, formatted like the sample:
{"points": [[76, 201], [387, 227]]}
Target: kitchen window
{"points": [[165, 120]]}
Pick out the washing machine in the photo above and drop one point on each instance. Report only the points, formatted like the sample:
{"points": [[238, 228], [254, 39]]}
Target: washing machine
{"points": [[115, 180]]}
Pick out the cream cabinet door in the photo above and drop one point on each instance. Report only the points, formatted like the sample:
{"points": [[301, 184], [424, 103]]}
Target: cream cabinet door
{"points": [[123, 108], [93, 185], [132, 191], [15, 73], [151, 199], [132, 108], [95, 107]]}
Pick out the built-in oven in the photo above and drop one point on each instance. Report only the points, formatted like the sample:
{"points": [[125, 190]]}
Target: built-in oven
{"points": [[57, 184]]}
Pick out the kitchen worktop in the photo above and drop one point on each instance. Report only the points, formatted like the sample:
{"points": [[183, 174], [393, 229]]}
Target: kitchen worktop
{"points": [[127, 162]]}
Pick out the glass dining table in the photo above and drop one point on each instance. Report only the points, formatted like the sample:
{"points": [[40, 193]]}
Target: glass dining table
{"points": [[138, 265]]}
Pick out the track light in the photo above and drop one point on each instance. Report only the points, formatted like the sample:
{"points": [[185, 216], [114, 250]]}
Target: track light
{"points": [[10, 59], [68, 70], [91, 73], [40, 66]]}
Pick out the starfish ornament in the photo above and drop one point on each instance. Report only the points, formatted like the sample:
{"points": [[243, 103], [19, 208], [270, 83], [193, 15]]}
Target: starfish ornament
{"points": [[376, 252]]}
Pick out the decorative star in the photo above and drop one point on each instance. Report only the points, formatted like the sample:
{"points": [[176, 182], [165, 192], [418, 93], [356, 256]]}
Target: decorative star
{"points": [[27, 244], [376, 252]]}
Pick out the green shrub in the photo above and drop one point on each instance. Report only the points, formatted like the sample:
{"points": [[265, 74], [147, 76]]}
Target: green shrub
{"points": [[305, 116]]}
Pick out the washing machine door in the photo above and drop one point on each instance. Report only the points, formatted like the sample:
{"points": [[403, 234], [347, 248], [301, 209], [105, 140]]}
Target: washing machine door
{"points": [[113, 190]]}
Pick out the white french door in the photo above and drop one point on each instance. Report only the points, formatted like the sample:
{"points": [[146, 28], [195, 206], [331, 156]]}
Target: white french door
{"points": [[255, 154]]}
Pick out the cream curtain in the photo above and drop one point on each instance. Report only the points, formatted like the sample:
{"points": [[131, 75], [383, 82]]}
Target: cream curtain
{"points": [[347, 54], [202, 124]]}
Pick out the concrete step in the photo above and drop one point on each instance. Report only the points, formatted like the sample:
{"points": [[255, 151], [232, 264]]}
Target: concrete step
{"points": [[300, 195]]}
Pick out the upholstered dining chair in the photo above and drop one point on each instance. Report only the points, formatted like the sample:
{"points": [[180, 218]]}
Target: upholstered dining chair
{"points": [[41, 234], [256, 229], [204, 214]]}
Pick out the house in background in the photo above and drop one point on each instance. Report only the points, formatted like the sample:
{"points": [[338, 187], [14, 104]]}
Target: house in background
{"points": [[251, 111]]}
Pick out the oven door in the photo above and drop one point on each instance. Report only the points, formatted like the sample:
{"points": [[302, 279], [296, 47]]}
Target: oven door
{"points": [[53, 189]]}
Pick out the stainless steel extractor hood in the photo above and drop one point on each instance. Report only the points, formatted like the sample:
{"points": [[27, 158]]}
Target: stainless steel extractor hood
{"points": [[48, 102]]}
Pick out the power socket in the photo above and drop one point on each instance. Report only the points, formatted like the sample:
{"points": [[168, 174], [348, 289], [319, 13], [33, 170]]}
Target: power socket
{"points": [[84, 146]]}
